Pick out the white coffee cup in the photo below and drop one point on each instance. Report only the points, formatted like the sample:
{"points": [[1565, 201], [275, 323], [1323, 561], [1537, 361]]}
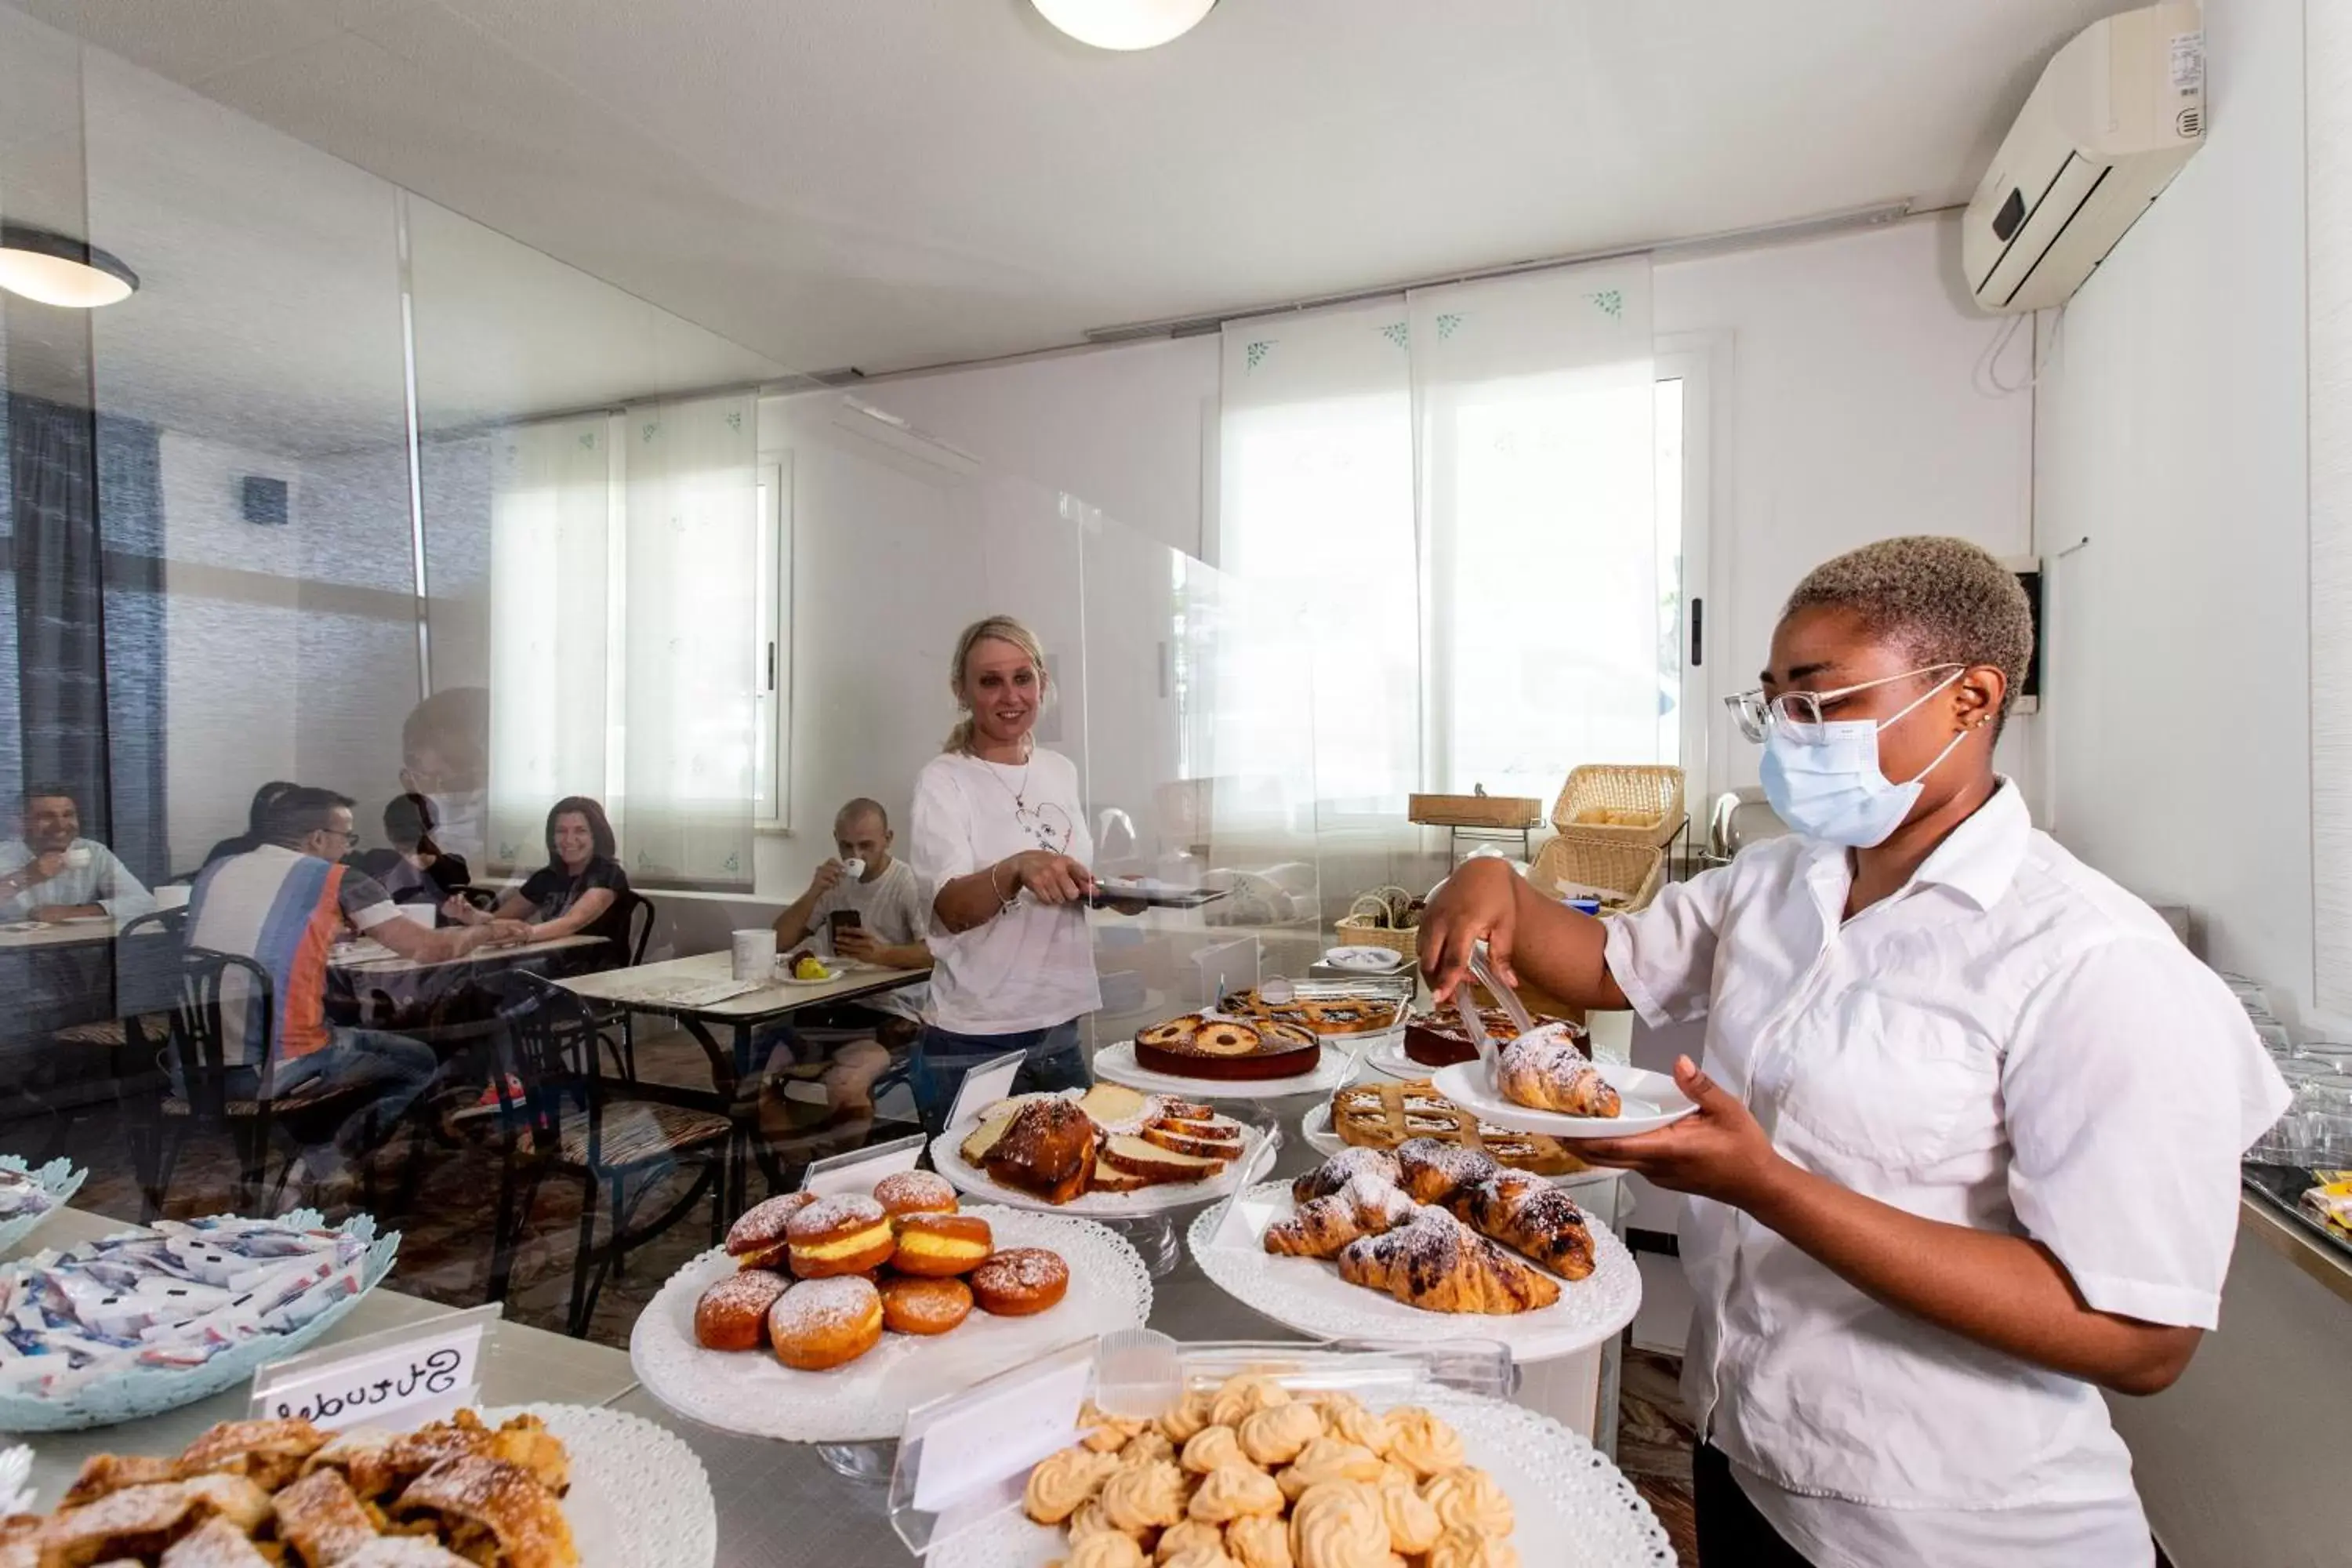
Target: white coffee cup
{"points": [[423, 914], [755, 954], [77, 858], [173, 896], [853, 868]]}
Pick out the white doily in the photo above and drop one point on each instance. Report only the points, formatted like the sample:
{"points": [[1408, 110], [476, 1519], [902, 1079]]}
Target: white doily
{"points": [[1573, 1508], [639, 1497], [1309, 1294], [1315, 1131], [1336, 1069], [947, 1160], [752, 1393]]}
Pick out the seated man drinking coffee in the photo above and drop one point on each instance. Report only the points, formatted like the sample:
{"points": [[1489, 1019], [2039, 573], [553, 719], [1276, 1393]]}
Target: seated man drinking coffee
{"points": [[868, 906]]}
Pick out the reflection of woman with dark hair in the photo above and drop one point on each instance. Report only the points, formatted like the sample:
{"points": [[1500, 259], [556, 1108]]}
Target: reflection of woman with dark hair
{"points": [[415, 869], [581, 888], [251, 839]]}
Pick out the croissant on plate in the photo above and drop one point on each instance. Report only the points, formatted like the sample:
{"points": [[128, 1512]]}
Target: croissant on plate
{"points": [[1438, 1264], [1546, 1072], [1321, 1226], [1533, 1218]]}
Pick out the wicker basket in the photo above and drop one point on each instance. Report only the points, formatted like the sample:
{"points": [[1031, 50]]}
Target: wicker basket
{"points": [[1500, 811], [1368, 920], [1633, 802], [1631, 870]]}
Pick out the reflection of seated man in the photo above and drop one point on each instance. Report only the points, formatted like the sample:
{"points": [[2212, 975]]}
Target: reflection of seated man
{"points": [[255, 814], [283, 905], [53, 873], [889, 907], [416, 869]]}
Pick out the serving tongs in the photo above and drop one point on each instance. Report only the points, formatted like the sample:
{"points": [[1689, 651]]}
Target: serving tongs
{"points": [[1484, 973]]}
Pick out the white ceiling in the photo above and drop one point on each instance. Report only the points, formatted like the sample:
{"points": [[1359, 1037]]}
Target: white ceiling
{"points": [[891, 183]]}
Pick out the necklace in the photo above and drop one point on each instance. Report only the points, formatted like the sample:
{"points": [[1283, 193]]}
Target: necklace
{"points": [[1045, 822], [1020, 797]]}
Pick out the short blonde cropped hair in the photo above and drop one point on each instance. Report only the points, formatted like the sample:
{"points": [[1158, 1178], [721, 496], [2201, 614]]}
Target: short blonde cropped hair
{"points": [[1944, 601]]}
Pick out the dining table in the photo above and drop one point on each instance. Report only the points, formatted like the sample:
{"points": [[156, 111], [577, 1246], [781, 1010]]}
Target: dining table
{"points": [[701, 994]]}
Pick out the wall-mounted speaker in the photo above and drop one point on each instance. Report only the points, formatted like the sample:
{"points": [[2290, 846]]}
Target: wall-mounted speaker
{"points": [[264, 501]]}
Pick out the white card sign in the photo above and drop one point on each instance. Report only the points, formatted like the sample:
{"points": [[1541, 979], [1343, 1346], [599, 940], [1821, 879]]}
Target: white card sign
{"points": [[984, 1085], [419, 1373], [857, 1170], [998, 1432]]}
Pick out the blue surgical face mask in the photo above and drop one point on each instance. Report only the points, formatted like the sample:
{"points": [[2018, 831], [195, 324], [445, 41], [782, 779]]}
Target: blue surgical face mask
{"points": [[1823, 780]]}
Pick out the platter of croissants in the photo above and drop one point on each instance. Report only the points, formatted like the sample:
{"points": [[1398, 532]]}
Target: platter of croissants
{"points": [[1544, 1082], [545, 1485], [825, 1319], [1370, 1242], [1257, 1473]]}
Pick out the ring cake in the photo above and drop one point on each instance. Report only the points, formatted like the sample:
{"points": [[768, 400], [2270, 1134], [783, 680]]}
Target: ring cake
{"points": [[1210, 1046]]}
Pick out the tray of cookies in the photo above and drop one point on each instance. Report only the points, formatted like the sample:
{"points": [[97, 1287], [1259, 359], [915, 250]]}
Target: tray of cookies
{"points": [[1544, 1082], [540, 1486], [1321, 1456], [1109, 1150], [1385, 1114], [1372, 1242], [823, 1320]]}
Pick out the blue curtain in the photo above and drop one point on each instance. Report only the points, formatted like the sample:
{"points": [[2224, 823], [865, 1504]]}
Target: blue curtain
{"points": [[84, 504]]}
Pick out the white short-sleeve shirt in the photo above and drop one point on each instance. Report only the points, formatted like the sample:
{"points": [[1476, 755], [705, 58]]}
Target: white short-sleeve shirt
{"points": [[2011, 1043], [1032, 967]]}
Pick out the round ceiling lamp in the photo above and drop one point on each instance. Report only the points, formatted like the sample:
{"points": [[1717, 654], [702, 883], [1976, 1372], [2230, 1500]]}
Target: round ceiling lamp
{"points": [[54, 269], [1124, 24]]}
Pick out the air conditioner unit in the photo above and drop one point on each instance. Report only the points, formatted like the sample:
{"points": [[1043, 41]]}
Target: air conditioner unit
{"points": [[2113, 116]]}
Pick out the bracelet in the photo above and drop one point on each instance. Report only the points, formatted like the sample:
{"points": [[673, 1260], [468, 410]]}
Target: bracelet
{"points": [[1003, 903]]}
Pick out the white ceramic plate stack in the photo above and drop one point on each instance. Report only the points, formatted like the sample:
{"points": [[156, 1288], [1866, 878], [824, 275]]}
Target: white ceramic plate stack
{"points": [[1573, 1509], [639, 1498], [1336, 1069], [1308, 1294], [947, 1158], [867, 1401]]}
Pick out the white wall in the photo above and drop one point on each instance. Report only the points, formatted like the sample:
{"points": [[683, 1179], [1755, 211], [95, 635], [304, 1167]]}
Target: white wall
{"points": [[2172, 435], [1852, 412], [1131, 430], [1847, 408]]}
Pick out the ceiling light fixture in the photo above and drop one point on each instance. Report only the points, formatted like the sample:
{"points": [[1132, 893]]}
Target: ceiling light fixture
{"points": [[1124, 24], [55, 269]]}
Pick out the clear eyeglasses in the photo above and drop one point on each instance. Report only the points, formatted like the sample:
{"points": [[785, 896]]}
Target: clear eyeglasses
{"points": [[1798, 711]]}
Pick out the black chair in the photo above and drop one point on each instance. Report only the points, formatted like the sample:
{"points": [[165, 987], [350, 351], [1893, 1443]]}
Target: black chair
{"points": [[147, 952], [199, 1064], [568, 1120], [616, 1027]]}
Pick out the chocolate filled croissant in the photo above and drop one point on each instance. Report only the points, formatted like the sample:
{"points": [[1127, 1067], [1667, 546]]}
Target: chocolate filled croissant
{"points": [[1533, 1218], [1438, 1264]]}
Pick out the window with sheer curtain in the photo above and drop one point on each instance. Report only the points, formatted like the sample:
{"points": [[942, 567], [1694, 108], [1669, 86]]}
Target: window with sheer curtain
{"points": [[632, 620], [1459, 486]]}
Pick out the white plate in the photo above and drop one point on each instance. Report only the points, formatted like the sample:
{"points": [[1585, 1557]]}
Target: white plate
{"points": [[86, 921], [1650, 1100], [947, 1159], [752, 1393], [1336, 1069], [1388, 1059], [1573, 1508], [639, 1498], [1366, 960], [1307, 1293]]}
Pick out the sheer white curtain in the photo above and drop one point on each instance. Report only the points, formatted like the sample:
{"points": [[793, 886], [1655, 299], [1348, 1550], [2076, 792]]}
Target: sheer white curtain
{"points": [[1535, 403], [551, 502], [1458, 487], [1315, 508], [692, 656]]}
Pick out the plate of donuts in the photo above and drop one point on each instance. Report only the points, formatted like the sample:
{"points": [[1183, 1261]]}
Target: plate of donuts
{"points": [[825, 1319]]}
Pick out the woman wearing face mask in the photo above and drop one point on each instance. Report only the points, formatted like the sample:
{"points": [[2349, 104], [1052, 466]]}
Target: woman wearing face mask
{"points": [[1000, 832], [1968, 1138]]}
